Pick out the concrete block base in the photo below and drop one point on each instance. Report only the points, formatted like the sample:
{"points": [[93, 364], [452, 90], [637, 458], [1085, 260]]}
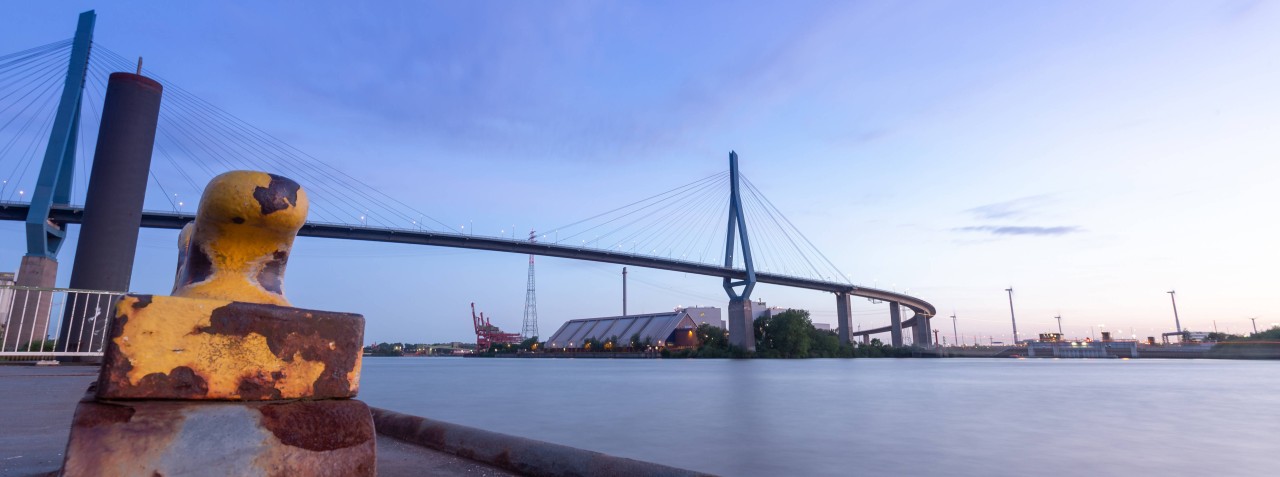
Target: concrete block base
{"points": [[29, 310], [742, 331], [165, 347], [193, 438]]}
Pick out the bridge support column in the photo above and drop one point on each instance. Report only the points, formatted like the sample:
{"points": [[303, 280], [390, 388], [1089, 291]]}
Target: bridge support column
{"points": [[844, 322], [29, 310], [113, 202], [922, 335], [895, 323], [742, 332], [866, 339]]}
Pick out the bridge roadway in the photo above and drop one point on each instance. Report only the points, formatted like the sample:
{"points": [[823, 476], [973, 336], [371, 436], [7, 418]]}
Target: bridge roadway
{"points": [[171, 220]]}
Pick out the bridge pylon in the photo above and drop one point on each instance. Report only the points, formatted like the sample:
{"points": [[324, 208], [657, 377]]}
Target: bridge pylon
{"points": [[39, 267], [741, 326]]}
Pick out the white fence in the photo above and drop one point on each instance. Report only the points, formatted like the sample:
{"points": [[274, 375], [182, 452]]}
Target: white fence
{"points": [[53, 322]]}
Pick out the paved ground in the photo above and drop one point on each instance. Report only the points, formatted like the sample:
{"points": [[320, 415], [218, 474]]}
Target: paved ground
{"points": [[36, 404]]}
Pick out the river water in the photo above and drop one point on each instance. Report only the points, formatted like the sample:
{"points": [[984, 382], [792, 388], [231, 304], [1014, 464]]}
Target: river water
{"points": [[968, 417]]}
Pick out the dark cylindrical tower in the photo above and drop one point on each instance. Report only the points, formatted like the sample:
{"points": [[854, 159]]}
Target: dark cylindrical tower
{"points": [[113, 205]]}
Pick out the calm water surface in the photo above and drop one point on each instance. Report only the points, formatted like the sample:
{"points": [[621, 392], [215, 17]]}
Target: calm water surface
{"points": [[866, 416]]}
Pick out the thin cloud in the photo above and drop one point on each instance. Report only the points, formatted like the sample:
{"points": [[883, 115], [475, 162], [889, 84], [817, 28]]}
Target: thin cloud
{"points": [[1009, 209], [1023, 230]]}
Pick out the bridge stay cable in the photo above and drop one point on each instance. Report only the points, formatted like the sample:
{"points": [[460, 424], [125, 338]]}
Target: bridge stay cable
{"points": [[31, 69], [658, 235], [666, 207], [653, 226], [97, 95], [706, 225], [362, 200], [94, 94], [45, 73], [25, 158], [709, 230], [771, 253], [805, 239], [42, 116], [234, 159], [184, 126], [768, 254], [779, 228], [35, 50], [656, 198], [222, 150], [14, 72]]}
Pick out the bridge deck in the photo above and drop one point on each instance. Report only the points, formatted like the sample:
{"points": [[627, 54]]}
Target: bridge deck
{"points": [[169, 220]]}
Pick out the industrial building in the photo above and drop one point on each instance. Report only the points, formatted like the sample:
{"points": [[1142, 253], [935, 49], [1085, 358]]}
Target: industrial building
{"points": [[673, 329], [1051, 345], [711, 315], [705, 315], [759, 309]]}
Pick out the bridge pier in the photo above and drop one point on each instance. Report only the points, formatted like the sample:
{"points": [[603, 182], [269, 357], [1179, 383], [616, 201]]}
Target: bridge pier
{"points": [[844, 323], [922, 336], [742, 331], [29, 310], [895, 323]]}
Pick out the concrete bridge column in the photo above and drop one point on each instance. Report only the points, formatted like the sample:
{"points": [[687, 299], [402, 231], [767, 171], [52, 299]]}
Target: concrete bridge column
{"points": [[895, 323], [922, 337], [844, 322], [29, 310], [866, 339], [742, 331]]}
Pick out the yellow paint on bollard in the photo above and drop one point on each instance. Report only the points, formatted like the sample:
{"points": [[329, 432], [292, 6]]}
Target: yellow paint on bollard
{"points": [[228, 334], [191, 348], [173, 340], [240, 242]]}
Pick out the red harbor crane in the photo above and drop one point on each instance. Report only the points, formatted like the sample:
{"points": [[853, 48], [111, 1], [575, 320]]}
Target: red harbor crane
{"points": [[487, 334]]}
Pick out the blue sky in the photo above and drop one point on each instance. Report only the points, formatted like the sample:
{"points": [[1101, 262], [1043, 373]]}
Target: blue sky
{"points": [[1091, 154]]}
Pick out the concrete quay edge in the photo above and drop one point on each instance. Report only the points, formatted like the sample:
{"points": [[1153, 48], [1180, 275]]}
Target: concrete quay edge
{"points": [[517, 454]]}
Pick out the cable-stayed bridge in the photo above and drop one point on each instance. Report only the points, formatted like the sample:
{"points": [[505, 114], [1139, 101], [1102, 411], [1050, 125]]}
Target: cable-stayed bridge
{"points": [[46, 158]]}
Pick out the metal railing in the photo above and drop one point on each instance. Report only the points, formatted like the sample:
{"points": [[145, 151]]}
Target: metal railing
{"points": [[54, 322]]}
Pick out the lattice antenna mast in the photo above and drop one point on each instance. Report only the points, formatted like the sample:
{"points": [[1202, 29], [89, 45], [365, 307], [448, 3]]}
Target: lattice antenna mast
{"points": [[530, 329]]}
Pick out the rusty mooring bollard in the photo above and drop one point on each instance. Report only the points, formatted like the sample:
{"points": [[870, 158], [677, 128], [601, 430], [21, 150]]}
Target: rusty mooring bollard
{"points": [[225, 377]]}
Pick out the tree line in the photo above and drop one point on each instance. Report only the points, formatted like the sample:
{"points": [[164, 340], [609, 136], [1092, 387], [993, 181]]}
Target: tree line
{"points": [[786, 335]]}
